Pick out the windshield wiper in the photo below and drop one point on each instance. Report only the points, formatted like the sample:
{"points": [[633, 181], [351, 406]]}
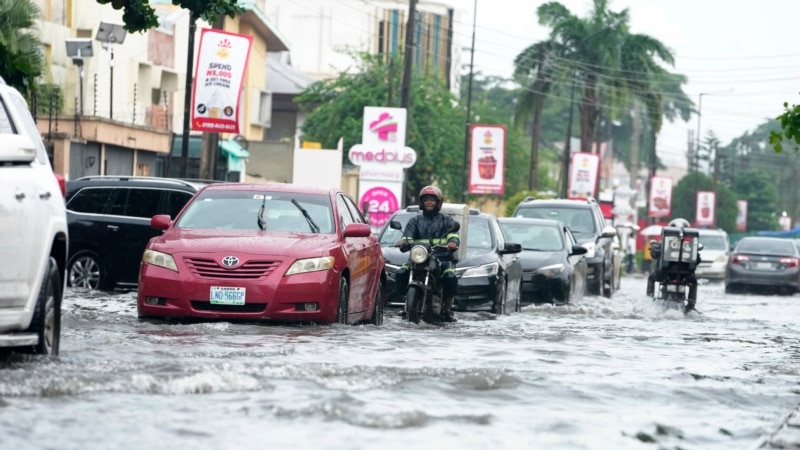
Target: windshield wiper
{"points": [[262, 223], [310, 221]]}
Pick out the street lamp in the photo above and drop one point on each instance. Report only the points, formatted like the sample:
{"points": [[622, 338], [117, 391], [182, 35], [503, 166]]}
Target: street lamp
{"points": [[110, 34], [77, 49]]}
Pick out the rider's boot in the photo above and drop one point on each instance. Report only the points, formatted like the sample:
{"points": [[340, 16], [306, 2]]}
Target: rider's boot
{"points": [[447, 311]]}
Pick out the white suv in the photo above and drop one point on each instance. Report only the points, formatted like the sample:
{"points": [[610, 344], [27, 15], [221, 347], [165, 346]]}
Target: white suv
{"points": [[33, 233]]}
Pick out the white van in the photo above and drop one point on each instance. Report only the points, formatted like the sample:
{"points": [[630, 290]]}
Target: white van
{"points": [[33, 233], [714, 256]]}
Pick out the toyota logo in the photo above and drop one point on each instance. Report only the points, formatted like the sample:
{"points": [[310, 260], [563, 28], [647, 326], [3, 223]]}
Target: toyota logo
{"points": [[230, 261]]}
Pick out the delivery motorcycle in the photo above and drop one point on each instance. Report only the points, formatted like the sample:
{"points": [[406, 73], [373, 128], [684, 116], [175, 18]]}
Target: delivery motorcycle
{"points": [[676, 258], [424, 293]]}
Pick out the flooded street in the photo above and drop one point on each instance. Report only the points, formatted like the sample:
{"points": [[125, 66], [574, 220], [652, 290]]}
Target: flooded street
{"points": [[615, 373]]}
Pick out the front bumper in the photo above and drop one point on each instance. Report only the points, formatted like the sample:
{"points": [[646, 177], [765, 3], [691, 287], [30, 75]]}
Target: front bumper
{"points": [[271, 298], [538, 288]]}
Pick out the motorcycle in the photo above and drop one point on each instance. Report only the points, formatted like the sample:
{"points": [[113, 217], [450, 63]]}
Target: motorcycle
{"points": [[676, 257], [424, 294]]}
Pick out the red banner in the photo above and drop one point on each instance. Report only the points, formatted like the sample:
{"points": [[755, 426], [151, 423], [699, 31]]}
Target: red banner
{"points": [[741, 215], [706, 209], [660, 197], [583, 175], [487, 159]]}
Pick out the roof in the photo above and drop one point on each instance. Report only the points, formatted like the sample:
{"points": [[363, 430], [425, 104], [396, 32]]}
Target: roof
{"points": [[283, 78], [529, 220], [275, 187], [558, 201]]}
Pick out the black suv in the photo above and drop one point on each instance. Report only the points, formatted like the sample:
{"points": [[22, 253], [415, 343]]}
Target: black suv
{"points": [[587, 223], [108, 218]]}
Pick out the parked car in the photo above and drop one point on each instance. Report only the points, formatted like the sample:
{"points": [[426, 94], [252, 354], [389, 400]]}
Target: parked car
{"points": [[109, 225], [271, 252], [714, 256], [763, 264], [33, 234], [553, 264], [489, 277], [585, 220]]}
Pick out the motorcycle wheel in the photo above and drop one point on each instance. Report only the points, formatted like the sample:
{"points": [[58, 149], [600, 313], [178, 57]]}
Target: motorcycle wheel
{"points": [[415, 297]]}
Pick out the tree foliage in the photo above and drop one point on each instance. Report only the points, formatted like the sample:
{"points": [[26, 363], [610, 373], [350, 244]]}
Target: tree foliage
{"points": [[790, 128], [758, 188], [21, 63], [684, 200], [139, 16]]}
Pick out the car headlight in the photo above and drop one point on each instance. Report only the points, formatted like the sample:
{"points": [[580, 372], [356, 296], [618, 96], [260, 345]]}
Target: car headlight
{"points": [[552, 270], [419, 254], [485, 270], [591, 247], [310, 265], [159, 259]]}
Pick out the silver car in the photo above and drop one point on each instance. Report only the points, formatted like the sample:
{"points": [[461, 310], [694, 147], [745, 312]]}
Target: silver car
{"points": [[714, 256]]}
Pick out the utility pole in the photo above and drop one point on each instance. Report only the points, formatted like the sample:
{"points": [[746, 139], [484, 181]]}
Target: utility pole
{"points": [[187, 97], [209, 149], [408, 58], [567, 144], [469, 109]]}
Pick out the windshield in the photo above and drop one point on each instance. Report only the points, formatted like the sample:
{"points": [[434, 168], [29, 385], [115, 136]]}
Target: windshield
{"points": [[579, 220], [390, 236], [767, 247], [478, 234], [713, 242], [239, 210], [543, 238]]}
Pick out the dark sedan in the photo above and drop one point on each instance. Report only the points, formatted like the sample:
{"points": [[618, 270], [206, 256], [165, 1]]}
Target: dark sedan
{"points": [[490, 275], [553, 264], [764, 263]]}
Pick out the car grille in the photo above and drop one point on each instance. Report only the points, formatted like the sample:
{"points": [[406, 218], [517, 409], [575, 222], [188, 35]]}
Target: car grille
{"points": [[208, 268], [246, 308]]}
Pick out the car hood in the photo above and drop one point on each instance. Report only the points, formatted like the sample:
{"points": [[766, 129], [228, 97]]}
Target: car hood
{"points": [[532, 260], [276, 244], [475, 257]]}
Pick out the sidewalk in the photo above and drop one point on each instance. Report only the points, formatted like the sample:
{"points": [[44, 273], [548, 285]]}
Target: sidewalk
{"points": [[785, 436]]}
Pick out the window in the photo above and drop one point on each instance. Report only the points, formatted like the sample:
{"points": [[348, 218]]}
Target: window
{"points": [[174, 202], [344, 213], [90, 200], [117, 202], [260, 108], [357, 216], [143, 203]]}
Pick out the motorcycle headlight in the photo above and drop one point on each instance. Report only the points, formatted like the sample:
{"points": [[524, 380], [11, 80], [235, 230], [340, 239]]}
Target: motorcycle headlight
{"points": [[591, 247], [310, 265], [552, 270], [159, 259], [485, 270], [418, 254]]}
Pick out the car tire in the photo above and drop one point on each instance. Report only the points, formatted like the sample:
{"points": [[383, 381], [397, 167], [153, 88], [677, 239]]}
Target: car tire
{"points": [[499, 306], [46, 322], [601, 283], [344, 296], [377, 309], [86, 270], [729, 289], [518, 306]]}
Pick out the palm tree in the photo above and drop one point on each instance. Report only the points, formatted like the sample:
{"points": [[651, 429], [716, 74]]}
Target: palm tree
{"points": [[21, 62]]}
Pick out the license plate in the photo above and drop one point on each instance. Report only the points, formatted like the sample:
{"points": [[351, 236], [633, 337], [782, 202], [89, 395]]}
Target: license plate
{"points": [[221, 295], [763, 265]]}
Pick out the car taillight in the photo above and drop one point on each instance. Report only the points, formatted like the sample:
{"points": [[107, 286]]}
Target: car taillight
{"points": [[62, 184], [789, 262], [739, 259]]}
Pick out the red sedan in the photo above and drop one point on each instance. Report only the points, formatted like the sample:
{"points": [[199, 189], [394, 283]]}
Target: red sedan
{"points": [[272, 252]]}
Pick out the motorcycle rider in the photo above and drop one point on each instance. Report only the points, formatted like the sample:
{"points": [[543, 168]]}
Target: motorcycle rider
{"points": [[432, 224], [655, 249]]}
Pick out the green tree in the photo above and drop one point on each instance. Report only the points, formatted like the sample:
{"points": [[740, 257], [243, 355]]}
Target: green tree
{"points": [[758, 188], [139, 16], [21, 63], [789, 128], [684, 200], [435, 126]]}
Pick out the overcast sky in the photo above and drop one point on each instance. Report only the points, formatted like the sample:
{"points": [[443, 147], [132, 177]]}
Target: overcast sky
{"points": [[746, 47]]}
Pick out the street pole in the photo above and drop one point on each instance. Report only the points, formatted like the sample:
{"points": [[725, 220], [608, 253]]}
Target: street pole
{"points": [[567, 144], [187, 97], [469, 108], [408, 58]]}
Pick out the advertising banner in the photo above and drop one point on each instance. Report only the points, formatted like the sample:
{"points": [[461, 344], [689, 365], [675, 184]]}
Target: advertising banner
{"points": [[221, 64], [382, 156], [660, 197], [741, 215], [706, 209], [583, 175], [785, 222], [487, 159]]}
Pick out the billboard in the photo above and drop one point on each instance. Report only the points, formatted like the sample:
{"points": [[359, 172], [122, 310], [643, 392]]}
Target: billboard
{"points": [[706, 209], [741, 215], [583, 175], [660, 197], [221, 64], [487, 159]]}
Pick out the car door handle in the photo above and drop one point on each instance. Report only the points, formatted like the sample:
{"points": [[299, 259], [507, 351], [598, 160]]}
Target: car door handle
{"points": [[45, 195], [112, 227]]}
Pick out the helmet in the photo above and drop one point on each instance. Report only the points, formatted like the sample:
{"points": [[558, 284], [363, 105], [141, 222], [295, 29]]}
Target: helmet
{"points": [[431, 191], [679, 223]]}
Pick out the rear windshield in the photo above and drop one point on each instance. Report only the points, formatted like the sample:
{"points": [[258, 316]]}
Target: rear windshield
{"points": [[713, 242], [767, 247]]}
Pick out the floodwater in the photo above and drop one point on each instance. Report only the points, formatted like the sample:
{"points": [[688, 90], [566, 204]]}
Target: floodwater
{"points": [[615, 373]]}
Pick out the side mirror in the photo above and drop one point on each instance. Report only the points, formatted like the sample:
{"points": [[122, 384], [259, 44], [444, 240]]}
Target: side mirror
{"points": [[609, 231], [17, 148], [160, 222], [578, 250], [699, 247], [395, 225], [357, 230], [511, 248]]}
